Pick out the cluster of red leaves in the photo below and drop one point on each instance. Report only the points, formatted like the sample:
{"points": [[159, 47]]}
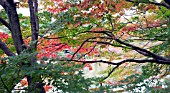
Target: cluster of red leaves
{"points": [[24, 82], [58, 6], [85, 50], [3, 36], [98, 8], [133, 27], [150, 6], [47, 88], [108, 6], [48, 48], [88, 7], [27, 40], [126, 29], [130, 27], [154, 24], [97, 29]]}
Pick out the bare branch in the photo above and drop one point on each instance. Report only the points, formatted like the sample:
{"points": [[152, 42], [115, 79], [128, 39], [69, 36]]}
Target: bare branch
{"points": [[119, 63], [5, 23], [144, 51], [87, 40], [79, 48], [97, 32], [89, 51], [46, 37], [159, 4], [113, 69], [96, 61], [134, 60], [6, 49]]}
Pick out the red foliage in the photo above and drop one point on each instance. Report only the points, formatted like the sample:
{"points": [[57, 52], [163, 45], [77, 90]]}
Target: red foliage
{"points": [[95, 8], [24, 82], [47, 88], [3, 36], [154, 24], [58, 6], [48, 48], [150, 6], [130, 27]]}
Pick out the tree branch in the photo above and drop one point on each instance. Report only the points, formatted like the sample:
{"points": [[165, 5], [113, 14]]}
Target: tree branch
{"points": [[88, 52], [6, 49], [87, 40], [118, 63], [144, 51], [5, 23], [165, 4], [33, 6], [79, 48], [113, 69]]}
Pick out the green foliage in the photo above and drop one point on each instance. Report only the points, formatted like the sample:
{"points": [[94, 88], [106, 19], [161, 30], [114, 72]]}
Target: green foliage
{"points": [[45, 23], [65, 76], [3, 14], [70, 25], [147, 81], [163, 12]]}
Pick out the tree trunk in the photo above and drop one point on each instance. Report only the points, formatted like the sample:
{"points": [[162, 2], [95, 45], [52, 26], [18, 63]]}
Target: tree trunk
{"points": [[10, 9]]}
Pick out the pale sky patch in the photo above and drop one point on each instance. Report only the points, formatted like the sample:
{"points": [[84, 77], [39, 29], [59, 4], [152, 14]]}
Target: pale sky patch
{"points": [[24, 11]]}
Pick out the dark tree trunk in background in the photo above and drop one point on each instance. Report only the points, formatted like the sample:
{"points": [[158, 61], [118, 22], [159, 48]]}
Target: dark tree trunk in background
{"points": [[33, 6]]}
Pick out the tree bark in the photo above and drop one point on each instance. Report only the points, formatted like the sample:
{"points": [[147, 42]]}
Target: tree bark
{"points": [[14, 24], [33, 6]]}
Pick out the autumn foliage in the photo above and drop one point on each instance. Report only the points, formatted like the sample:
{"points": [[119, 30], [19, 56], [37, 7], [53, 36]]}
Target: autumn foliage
{"points": [[3, 36], [127, 40]]}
